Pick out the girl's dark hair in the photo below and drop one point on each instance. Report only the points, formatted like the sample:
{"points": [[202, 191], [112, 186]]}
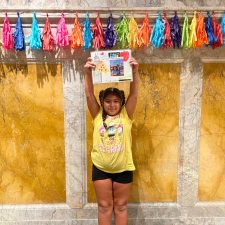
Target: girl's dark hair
{"points": [[104, 93]]}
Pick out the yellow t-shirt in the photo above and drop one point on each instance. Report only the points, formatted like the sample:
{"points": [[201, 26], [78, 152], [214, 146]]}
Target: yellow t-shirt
{"points": [[111, 151]]}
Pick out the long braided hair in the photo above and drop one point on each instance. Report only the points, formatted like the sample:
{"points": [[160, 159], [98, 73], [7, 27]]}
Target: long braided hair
{"points": [[104, 93]]}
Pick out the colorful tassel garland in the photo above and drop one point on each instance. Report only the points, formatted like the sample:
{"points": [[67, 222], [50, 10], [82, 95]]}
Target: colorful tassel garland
{"points": [[167, 34], [200, 32], [218, 33], [193, 35], [223, 28], [175, 31], [35, 37], [7, 37], [110, 33], [98, 34], [157, 35], [122, 29], [87, 34], [209, 30], [144, 33], [185, 33], [76, 37], [62, 37], [18, 35], [47, 37], [133, 28]]}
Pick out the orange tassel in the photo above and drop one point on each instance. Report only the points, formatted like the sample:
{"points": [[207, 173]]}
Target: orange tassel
{"points": [[76, 37], [200, 32], [144, 33]]}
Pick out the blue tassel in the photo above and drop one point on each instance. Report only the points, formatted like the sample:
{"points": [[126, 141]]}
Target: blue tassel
{"points": [[87, 34], [18, 35], [223, 28], [157, 36], [35, 37], [209, 30]]}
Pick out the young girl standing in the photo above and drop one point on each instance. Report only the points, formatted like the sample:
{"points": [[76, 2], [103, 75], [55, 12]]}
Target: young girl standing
{"points": [[112, 171]]}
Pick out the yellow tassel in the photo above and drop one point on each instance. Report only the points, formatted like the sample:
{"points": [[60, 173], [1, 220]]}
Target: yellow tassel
{"points": [[133, 27], [193, 36]]}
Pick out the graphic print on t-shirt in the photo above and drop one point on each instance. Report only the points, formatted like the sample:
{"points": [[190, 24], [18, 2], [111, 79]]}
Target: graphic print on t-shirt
{"points": [[111, 136]]}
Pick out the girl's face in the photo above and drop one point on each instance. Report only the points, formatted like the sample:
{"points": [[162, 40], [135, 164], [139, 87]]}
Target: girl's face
{"points": [[112, 104]]}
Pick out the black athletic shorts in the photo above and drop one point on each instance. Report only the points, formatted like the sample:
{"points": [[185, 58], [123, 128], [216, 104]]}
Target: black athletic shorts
{"points": [[123, 177]]}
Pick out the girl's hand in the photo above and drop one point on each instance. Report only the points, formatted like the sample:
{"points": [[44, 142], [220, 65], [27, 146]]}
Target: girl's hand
{"points": [[134, 65], [89, 65]]}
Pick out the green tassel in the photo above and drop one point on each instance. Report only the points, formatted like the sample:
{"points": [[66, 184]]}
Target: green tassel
{"points": [[185, 33], [122, 29]]}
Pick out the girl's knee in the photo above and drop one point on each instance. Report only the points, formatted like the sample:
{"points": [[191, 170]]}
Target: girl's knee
{"points": [[105, 207], [120, 207]]}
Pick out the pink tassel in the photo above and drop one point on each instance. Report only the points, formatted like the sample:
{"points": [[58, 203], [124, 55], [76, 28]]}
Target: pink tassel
{"points": [[7, 37], [98, 35], [62, 37]]}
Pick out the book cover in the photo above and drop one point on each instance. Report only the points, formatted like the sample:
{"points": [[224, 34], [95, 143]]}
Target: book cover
{"points": [[112, 66]]}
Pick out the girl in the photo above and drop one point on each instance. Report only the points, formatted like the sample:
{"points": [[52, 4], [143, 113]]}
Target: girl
{"points": [[112, 171]]}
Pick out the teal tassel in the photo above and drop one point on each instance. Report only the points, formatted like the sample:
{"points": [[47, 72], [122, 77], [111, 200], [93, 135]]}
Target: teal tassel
{"points": [[223, 28], [87, 34], [35, 37], [157, 36]]}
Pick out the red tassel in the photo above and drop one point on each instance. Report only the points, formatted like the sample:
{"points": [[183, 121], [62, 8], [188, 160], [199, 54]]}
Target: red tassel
{"points": [[77, 38], [47, 37], [167, 34], [218, 32], [98, 35]]}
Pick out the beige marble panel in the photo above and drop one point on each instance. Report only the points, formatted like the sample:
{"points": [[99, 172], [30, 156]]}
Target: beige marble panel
{"points": [[155, 135], [212, 143], [32, 161]]}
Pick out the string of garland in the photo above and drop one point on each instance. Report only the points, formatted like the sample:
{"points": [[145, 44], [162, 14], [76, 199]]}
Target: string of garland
{"points": [[125, 33]]}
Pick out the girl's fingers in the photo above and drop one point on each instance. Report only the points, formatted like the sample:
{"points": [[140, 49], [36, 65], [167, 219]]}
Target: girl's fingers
{"points": [[89, 65], [133, 62]]}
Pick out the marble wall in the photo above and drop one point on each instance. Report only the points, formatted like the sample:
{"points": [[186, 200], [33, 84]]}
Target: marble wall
{"points": [[32, 158], [212, 142], [197, 120]]}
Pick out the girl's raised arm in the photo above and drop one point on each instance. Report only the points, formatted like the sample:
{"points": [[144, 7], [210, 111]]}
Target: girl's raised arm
{"points": [[92, 103], [132, 97]]}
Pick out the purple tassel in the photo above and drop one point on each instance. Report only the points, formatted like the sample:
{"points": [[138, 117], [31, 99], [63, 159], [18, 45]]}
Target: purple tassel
{"points": [[110, 33], [175, 31], [209, 30]]}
